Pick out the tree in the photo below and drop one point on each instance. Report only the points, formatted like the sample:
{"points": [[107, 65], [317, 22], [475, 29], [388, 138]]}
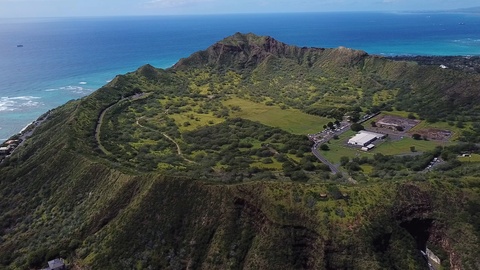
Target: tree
{"points": [[330, 125], [308, 166], [353, 166], [357, 109], [337, 122], [416, 136], [374, 124], [354, 116], [324, 147], [412, 149], [344, 160], [281, 158], [447, 155], [299, 176], [267, 161], [356, 127], [411, 116]]}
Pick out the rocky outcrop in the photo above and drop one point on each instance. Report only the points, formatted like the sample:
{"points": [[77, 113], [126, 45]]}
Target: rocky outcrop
{"points": [[244, 52], [439, 238], [413, 210]]}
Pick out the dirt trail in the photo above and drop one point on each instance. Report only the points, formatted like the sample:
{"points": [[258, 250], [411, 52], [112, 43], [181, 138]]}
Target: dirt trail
{"points": [[179, 150]]}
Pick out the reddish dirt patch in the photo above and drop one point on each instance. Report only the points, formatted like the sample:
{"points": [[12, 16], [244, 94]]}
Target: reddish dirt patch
{"points": [[435, 134]]}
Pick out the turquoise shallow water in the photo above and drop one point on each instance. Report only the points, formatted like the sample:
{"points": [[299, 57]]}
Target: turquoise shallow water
{"points": [[67, 58]]}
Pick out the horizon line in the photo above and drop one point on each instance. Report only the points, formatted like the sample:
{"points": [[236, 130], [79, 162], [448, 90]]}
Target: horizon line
{"points": [[460, 11]]}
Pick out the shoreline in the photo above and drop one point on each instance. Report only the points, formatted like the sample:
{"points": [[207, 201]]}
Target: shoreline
{"points": [[28, 130], [18, 139], [25, 128], [54, 74], [469, 64]]}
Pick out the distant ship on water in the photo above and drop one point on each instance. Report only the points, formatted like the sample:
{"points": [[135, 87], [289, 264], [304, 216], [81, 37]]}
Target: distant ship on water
{"points": [[19, 46]]}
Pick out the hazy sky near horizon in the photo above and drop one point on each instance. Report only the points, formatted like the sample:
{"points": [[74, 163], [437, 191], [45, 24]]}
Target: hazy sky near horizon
{"points": [[62, 8]]}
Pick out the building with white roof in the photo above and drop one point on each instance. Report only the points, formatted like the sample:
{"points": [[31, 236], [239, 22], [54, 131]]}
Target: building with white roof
{"points": [[364, 138]]}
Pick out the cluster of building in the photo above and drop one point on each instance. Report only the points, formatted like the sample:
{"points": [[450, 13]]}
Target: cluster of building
{"points": [[7, 147], [365, 138]]}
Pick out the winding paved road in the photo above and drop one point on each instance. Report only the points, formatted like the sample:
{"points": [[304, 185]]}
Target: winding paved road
{"points": [[344, 127], [102, 115], [317, 154]]}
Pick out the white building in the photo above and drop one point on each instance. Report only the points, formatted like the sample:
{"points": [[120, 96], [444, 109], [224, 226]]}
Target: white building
{"points": [[368, 147], [364, 138]]}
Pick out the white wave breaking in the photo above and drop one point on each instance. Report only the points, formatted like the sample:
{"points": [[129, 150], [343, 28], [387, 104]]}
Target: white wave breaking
{"points": [[468, 41], [9, 104], [80, 90]]}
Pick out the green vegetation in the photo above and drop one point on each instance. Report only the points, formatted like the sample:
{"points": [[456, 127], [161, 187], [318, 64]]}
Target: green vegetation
{"points": [[207, 165], [356, 127], [402, 146], [470, 158], [290, 120]]}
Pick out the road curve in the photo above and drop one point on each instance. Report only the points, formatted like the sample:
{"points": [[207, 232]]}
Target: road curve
{"points": [[317, 154]]}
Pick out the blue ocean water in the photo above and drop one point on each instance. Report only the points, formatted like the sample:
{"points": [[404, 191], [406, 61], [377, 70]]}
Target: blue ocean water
{"points": [[67, 58]]}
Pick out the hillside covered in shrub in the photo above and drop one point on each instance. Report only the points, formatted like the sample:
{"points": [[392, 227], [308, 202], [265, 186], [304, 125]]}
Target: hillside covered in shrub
{"points": [[206, 165]]}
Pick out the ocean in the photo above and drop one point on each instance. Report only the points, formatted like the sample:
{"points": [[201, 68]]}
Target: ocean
{"points": [[68, 58]]}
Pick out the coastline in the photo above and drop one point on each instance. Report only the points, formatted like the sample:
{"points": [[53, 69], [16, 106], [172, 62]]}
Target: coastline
{"points": [[52, 74], [463, 63], [13, 142], [25, 128]]}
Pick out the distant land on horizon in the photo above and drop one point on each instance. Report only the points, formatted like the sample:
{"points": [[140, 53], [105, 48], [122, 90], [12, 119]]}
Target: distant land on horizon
{"points": [[472, 10], [469, 10]]}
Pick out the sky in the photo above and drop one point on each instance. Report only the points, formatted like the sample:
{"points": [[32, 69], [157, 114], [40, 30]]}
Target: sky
{"points": [[68, 8]]}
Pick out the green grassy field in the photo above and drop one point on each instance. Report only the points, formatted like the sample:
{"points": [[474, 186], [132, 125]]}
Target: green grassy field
{"points": [[337, 151], [472, 158], [402, 146], [290, 120], [338, 148], [367, 169]]}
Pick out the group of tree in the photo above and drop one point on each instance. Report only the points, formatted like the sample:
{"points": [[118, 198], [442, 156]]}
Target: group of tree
{"points": [[386, 165], [229, 144]]}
